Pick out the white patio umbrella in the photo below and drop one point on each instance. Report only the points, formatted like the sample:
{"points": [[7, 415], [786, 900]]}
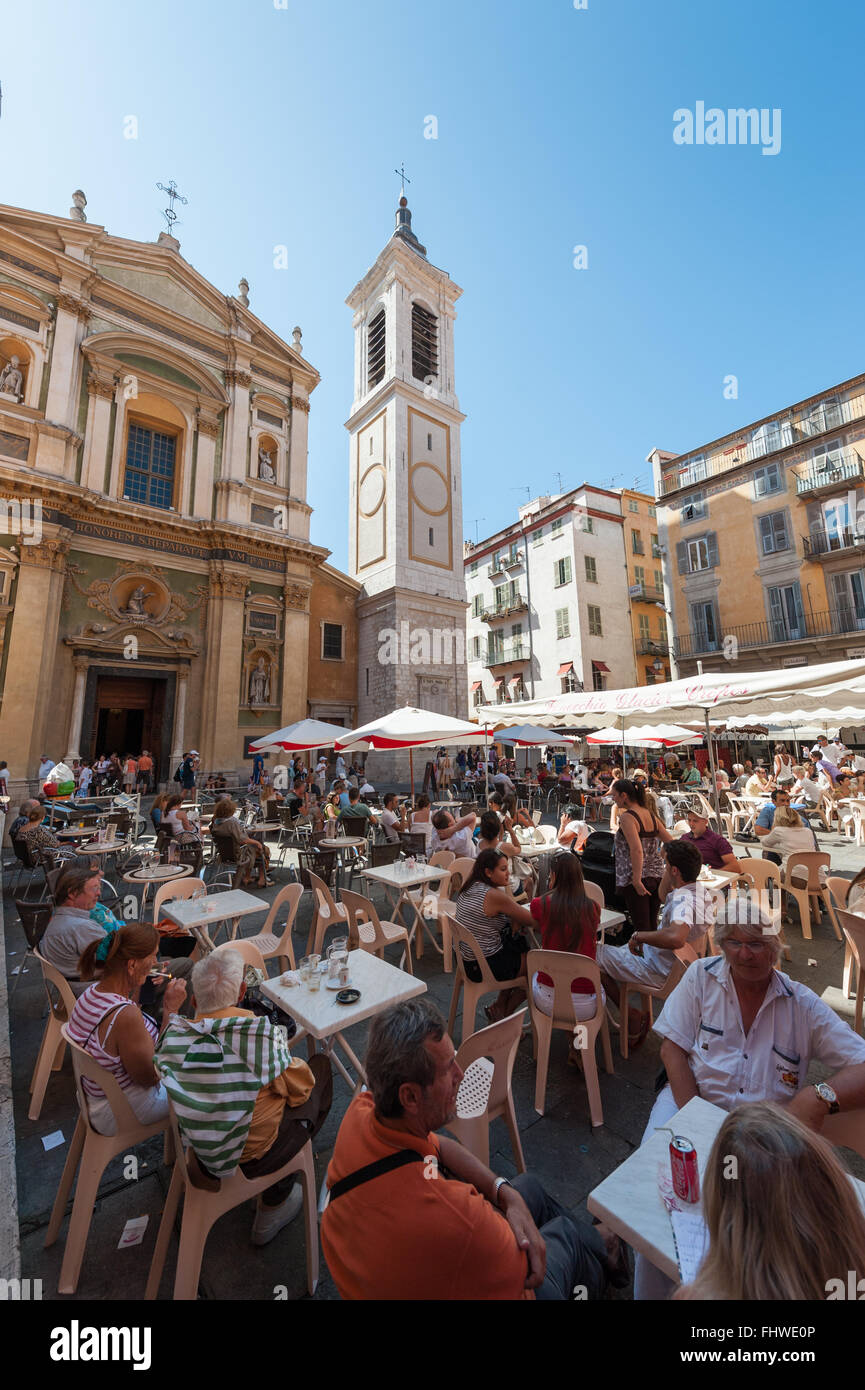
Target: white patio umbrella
{"points": [[528, 736], [411, 728], [660, 736], [300, 737]]}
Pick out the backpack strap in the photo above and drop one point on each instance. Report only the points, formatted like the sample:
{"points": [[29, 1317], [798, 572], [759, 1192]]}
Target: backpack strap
{"points": [[374, 1170]]}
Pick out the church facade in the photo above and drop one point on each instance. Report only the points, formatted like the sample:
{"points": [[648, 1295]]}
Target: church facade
{"points": [[158, 585]]}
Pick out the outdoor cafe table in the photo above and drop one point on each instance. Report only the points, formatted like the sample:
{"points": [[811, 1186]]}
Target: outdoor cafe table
{"points": [[78, 833], [156, 873], [200, 913], [90, 851], [398, 878], [628, 1200], [337, 844], [321, 1018]]}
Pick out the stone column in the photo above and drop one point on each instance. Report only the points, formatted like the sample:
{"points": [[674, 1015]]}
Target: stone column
{"points": [[221, 740], [298, 448], [101, 388], [179, 719], [73, 741], [60, 405], [205, 466], [295, 649], [28, 716]]}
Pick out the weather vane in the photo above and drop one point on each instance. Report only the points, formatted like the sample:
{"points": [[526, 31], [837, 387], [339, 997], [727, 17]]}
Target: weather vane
{"points": [[403, 178], [169, 214]]}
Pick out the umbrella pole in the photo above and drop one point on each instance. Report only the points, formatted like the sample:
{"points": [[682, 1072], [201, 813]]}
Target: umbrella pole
{"points": [[411, 772], [487, 763], [715, 794], [624, 760]]}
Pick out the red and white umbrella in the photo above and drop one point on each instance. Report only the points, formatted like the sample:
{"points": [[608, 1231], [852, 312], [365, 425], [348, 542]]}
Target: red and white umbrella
{"points": [[648, 736], [300, 737], [412, 728]]}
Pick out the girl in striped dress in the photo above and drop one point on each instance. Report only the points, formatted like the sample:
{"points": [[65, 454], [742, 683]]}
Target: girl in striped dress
{"points": [[108, 1023], [486, 909]]}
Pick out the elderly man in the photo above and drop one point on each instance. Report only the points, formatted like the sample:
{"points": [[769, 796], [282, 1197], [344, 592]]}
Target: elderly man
{"points": [[502, 782], [455, 835], [412, 1215], [79, 918], [240, 1098], [735, 1030], [715, 851], [758, 784]]}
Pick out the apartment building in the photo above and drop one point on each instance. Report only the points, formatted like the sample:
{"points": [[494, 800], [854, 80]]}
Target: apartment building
{"points": [[763, 532], [645, 587], [548, 601]]}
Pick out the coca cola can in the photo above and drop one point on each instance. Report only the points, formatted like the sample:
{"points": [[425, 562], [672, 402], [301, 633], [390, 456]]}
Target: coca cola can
{"points": [[683, 1163]]}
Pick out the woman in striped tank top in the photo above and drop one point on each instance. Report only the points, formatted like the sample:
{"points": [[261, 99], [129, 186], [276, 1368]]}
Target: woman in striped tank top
{"points": [[486, 909], [108, 1023]]}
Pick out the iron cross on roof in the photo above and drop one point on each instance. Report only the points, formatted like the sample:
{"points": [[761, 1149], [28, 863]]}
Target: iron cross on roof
{"points": [[168, 213], [404, 179]]}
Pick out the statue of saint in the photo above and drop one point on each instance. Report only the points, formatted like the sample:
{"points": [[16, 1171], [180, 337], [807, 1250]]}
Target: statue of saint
{"points": [[12, 379], [265, 467], [135, 603], [259, 684]]}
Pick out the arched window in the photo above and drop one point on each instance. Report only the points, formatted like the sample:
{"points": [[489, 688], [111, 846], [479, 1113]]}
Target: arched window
{"points": [[375, 350], [151, 457], [424, 343]]}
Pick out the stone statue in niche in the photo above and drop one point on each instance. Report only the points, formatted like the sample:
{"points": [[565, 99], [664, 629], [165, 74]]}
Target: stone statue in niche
{"points": [[12, 380], [265, 467], [259, 684], [135, 603]]}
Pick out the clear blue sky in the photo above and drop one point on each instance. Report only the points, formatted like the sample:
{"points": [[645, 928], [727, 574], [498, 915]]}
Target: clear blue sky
{"points": [[283, 126]]}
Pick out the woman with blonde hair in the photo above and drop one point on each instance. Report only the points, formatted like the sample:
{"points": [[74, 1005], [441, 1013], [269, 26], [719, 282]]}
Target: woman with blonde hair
{"points": [[789, 835], [784, 1220]]}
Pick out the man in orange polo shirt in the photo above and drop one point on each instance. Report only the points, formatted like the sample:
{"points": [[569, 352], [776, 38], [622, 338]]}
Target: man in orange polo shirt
{"points": [[414, 1215]]}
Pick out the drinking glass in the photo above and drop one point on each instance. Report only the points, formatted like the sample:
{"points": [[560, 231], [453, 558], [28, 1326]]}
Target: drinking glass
{"points": [[314, 981]]}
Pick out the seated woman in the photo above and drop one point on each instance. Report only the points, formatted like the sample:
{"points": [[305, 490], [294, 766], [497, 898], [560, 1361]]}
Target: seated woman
{"points": [[568, 920], [688, 912], [493, 835], [34, 834], [108, 1023], [515, 816], [789, 1227], [175, 820], [789, 835], [421, 817], [486, 909], [225, 822], [157, 811]]}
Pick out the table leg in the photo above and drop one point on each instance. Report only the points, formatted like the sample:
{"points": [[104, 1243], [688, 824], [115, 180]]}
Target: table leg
{"points": [[355, 1061]]}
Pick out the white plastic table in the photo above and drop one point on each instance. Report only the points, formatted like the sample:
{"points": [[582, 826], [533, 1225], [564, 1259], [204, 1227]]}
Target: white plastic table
{"points": [[200, 913], [628, 1200], [338, 844], [397, 879], [319, 1016], [156, 873]]}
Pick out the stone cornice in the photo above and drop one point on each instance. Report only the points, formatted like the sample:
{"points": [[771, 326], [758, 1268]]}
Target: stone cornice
{"points": [[71, 304]]}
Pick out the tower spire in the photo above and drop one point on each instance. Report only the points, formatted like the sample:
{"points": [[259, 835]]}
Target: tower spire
{"points": [[403, 215]]}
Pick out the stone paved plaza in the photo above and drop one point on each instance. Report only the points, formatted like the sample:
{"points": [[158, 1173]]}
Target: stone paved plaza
{"points": [[560, 1147]]}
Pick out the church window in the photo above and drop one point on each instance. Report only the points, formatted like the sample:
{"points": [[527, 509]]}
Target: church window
{"points": [[150, 458], [331, 641], [375, 350], [431, 536], [424, 343], [429, 442]]}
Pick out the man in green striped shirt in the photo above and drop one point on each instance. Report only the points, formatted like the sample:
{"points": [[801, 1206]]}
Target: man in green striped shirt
{"points": [[239, 1097]]}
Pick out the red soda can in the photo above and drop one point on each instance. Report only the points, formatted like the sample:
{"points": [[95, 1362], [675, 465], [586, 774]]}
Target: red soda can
{"points": [[683, 1162]]}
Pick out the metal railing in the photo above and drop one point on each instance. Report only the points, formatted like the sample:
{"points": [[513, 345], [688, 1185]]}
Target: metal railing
{"points": [[515, 604], [821, 420], [647, 647], [648, 593], [822, 543], [508, 651], [844, 466], [811, 626]]}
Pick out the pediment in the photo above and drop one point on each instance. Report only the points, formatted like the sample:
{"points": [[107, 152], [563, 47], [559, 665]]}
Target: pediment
{"points": [[166, 290]]}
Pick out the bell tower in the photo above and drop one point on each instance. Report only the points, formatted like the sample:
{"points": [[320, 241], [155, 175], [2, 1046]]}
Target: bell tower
{"points": [[406, 546]]}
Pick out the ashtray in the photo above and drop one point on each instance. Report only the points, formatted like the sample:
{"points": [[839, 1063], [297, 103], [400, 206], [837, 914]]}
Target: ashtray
{"points": [[348, 996]]}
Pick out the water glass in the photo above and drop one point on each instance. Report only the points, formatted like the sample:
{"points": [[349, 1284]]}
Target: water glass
{"points": [[314, 980]]}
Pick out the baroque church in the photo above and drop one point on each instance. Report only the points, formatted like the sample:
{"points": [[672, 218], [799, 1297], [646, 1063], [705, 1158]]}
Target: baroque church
{"points": [[158, 585]]}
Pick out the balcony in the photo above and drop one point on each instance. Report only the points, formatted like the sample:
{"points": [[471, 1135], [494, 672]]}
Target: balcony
{"points": [[821, 546], [513, 561], [647, 647], [645, 593], [516, 603], [823, 419], [835, 474], [508, 651], [812, 628], [497, 567]]}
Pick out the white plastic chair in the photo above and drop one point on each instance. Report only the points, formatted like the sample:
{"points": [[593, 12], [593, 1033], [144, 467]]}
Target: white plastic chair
{"points": [[563, 967], [487, 1060]]}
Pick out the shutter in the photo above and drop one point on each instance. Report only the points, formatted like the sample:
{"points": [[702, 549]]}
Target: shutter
{"points": [[682, 556], [766, 540], [712, 548]]}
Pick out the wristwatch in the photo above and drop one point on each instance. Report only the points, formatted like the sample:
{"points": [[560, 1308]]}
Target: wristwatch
{"points": [[497, 1186], [826, 1093]]}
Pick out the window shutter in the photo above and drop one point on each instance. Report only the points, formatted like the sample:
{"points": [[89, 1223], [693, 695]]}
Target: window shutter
{"points": [[712, 548], [682, 556]]}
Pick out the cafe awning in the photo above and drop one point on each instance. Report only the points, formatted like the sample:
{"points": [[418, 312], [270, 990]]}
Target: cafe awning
{"points": [[565, 668]]}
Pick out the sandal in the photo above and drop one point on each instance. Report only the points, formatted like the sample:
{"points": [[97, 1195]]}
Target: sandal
{"points": [[637, 1040]]}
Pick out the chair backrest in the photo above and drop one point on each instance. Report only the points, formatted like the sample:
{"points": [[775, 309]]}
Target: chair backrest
{"points": [[563, 967], [248, 950], [85, 1065], [840, 889], [286, 819], [323, 898], [354, 825], [811, 862], [546, 834], [384, 854], [413, 841], [498, 1043], [34, 919], [763, 873], [442, 859], [685, 956], [176, 888], [469, 940], [287, 898], [64, 1002], [853, 927], [226, 846], [462, 869], [595, 892], [361, 909]]}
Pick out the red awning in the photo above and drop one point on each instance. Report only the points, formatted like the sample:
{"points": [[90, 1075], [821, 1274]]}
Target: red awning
{"points": [[514, 680], [476, 686], [601, 666], [565, 668], [499, 680]]}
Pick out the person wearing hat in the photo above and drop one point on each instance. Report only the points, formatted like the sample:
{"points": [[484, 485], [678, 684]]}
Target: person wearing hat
{"points": [[186, 771]]}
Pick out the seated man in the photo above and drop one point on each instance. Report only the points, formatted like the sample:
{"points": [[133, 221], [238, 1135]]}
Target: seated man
{"points": [[298, 798], [736, 1029], [455, 835], [79, 918], [648, 957], [356, 807], [502, 782], [715, 851], [413, 1215], [758, 784], [573, 831], [393, 818], [240, 1098], [766, 819]]}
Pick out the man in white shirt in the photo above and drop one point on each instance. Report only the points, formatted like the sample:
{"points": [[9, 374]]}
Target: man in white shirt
{"points": [[391, 822], [46, 765], [340, 767], [503, 783], [455, 835], [84, 780], [736, 1030]]}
